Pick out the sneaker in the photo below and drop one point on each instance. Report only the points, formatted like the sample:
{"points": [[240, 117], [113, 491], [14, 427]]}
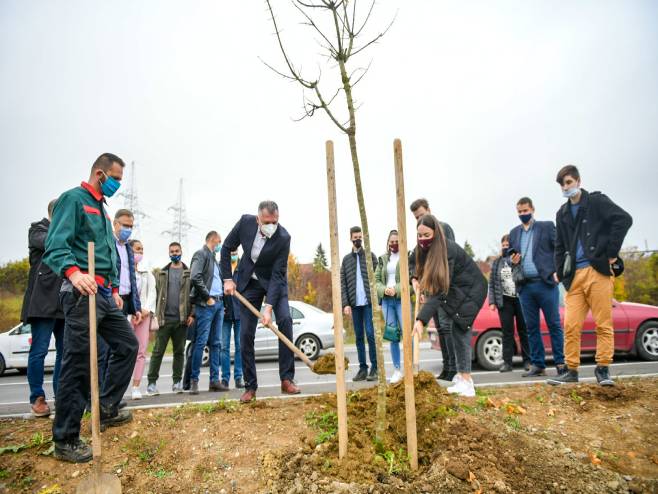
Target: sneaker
{"points": [[603, 375], [152, 390], [561, 369], [136, 394], [505, 368], [177, 387], [194, 387], [372, 375], [463, 387], [119, 417], [396, 377], [569, 377], [534, 372], [40, 408], [239, 383], [526, 365], [74, 451], [361, 375], [218, 386], [456, 381]]}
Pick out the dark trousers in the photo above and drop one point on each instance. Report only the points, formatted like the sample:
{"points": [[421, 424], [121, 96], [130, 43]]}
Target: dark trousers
{"points": [[538, 295], [510, 311], [255, 293], [362, 319], [175, 331], [104, 349], [42, 331], [73, 388], [189, 349], [444, 326]]}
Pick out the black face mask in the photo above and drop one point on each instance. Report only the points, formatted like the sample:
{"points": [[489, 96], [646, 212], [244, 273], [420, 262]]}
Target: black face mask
{"points": [[505, 251], [357, 243]]}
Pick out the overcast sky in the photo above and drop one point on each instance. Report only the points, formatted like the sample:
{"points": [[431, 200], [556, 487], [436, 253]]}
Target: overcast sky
{"points": [[490, 99]]}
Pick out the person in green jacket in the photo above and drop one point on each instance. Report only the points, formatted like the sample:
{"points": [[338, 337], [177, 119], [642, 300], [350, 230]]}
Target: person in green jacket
{"points": [[80, 217], [387, 278]]}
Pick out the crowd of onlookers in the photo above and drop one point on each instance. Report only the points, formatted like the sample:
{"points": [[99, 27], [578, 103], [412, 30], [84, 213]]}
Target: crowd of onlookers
{"points": [[197, 303]]}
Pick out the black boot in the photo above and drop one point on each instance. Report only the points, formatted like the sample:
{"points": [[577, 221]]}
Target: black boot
{"points": [[372, 375], [239, 383], [534, 372], [361, 375], [194, 387], [569, 377], [505, 368], [74, 451], [113, 417], [603, 375]]}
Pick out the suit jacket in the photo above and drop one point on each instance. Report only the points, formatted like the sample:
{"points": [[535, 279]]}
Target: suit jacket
{"points": [[202, 271], [132, 305], [271, 268], [543, 248]]}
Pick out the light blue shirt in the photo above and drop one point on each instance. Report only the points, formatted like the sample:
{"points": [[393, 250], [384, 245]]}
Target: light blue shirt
{"points": [[529, 268], [217, 288], [361, 297]]}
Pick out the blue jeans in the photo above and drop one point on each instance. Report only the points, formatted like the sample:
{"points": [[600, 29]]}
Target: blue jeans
{"points": [[392, 308], [226, 350], [362, 319], [538, 295], [42, 330], [209, 320]]}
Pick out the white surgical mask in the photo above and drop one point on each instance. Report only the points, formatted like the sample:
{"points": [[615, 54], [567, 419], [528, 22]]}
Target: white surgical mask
{"points": [[269, 229], [569, 193]]}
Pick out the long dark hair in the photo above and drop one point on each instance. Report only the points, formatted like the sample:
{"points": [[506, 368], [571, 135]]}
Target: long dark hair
{"points": [[432, 265]]}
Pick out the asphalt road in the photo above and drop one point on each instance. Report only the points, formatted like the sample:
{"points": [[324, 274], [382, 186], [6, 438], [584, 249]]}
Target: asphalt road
{"points": [[14, 391]]}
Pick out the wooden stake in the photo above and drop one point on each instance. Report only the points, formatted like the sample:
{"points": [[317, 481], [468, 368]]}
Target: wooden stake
{"points": [[337, 303], [416, 338], [93, 367], [409, 392]]}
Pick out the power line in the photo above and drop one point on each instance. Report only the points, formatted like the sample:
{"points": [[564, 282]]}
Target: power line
{"points": [[130, 199], [180, 225]]}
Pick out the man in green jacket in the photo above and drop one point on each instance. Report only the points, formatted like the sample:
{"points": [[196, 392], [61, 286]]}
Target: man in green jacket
{"points": [[80, 217]]}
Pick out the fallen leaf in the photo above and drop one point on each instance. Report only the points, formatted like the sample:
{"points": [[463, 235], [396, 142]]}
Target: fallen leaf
{"points": [[632, 455], [471, 476], [594, 459], [491, 403], [654, 458], [515, 409], [551, 412]]}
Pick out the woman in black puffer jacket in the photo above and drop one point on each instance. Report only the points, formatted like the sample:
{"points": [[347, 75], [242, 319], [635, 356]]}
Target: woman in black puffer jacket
{"points": [[450, 279]]}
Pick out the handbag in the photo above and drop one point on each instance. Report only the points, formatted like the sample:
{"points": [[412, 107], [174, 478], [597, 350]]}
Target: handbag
{"points": [[391, 331], [569, 261]]}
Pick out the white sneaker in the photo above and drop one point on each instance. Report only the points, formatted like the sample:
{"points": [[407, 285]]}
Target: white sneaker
{"points": [[177, 387], [397, 376], [455, 388], [463, 387], [137, 394], [152, 390]]}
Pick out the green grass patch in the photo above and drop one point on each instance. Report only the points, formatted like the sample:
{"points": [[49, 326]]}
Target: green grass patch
{"points": [[326, 424]]}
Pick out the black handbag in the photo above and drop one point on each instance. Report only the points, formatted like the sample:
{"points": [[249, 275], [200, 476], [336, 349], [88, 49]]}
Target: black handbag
{"points": [[568, 267], [617, 267]]}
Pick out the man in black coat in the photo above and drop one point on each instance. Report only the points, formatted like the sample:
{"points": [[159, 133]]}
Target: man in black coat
{"points": [[590, 232], [262, 274], [42, 310]]}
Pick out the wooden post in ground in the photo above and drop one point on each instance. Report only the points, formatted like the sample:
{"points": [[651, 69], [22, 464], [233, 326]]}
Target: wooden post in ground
{"points": [[409, 392], [337, 303], [416, 347]]}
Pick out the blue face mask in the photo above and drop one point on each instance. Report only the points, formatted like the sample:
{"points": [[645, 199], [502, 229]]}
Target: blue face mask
{"points": [[110, 186], [218, 248], [124, 233], [175, 258], [525, 218], [234, 258], [569, 193]]}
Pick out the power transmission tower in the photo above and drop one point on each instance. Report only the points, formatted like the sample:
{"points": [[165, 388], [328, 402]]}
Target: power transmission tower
{"points": [[180, 225], [130, 200]]}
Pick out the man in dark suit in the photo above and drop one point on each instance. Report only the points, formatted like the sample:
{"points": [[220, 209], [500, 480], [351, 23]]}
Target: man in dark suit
{"points": [[534, 245], [262, 273]]}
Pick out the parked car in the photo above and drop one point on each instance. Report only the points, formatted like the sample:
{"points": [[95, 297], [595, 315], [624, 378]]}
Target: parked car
{"points": [[313, 331], [636, 333], [15, 347]]}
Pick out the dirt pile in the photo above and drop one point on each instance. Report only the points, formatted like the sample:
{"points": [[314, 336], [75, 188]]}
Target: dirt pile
{"points": [[458, 452], [327, 364]]}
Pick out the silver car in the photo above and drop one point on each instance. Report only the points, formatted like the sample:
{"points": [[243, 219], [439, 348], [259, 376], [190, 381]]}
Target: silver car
{"points": [[312, 332]]}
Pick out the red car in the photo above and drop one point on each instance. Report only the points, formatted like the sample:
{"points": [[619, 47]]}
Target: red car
{"points": [[636, 333]]}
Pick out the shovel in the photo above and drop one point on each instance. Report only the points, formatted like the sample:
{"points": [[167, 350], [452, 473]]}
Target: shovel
{"points": [[324, 365], [416, 357], [98, 482]]}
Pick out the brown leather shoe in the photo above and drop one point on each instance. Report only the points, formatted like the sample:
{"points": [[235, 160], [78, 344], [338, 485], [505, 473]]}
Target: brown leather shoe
{"points": [[40, 408], [289, 387], [248, 396]]}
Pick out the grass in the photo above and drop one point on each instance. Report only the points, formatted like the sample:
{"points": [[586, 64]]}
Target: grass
{"points": [[10, 311], [513, 422], [326, 425]]}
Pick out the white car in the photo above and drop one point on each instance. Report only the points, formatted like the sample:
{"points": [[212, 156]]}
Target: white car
{"points": [[312, 332], [15, 347]]}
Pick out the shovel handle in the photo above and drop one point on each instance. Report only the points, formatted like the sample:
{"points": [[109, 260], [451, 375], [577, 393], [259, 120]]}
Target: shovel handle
{"points": [[93, 367], [416, 339], [275, 330]]}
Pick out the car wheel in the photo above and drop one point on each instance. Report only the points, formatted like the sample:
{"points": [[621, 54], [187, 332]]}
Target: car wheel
{"points": [[3, 366], [489, 350], [205, 359], [310, 345], [646, 341]]}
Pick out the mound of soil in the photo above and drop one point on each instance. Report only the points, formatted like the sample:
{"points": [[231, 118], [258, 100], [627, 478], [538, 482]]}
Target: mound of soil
{"points": [[457, 452], [327, 364]]}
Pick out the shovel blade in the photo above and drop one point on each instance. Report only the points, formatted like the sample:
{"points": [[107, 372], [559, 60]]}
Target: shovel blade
{"points": [[107, 484]]}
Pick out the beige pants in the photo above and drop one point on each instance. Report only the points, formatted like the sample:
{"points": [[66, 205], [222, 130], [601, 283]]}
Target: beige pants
{"points": [[593, 291]]}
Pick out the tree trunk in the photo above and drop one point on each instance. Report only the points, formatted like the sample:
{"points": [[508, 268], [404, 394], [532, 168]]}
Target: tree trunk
{"points": [[376, 311]]}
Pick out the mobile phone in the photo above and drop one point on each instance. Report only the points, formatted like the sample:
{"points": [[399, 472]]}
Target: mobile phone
{"points": [[511, 252]]}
